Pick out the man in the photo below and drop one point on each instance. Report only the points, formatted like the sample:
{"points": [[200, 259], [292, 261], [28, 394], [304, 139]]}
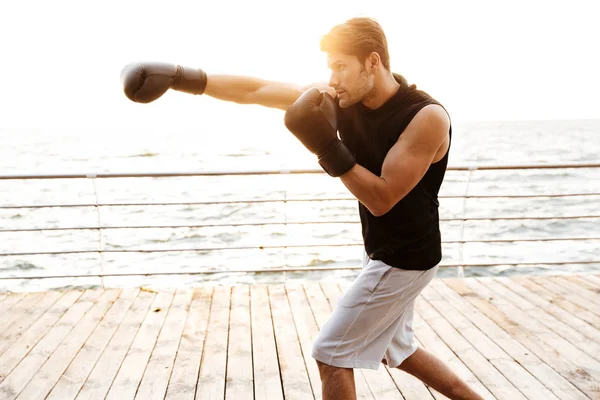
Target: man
{"points": [[392, 156]]}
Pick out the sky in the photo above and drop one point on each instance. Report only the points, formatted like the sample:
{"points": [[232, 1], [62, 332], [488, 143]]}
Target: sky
{"points": [[509, 60]]}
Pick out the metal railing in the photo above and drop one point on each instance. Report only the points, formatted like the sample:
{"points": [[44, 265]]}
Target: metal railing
{"points": [[460, 265]]}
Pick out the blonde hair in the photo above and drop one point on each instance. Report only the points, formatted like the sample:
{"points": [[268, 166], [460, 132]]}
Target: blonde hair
{"points": [[358, 37]]}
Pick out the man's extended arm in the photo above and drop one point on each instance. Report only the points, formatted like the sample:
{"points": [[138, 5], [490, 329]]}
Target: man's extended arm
{"points": [[146, 82], [251, 90]]}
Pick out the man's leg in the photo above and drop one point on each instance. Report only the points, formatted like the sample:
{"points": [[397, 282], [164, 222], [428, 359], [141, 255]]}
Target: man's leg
{"points": [[337, 383], [432, 371]]}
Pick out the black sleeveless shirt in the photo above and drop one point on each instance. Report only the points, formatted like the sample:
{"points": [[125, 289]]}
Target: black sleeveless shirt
{"points": [[408, 236]]}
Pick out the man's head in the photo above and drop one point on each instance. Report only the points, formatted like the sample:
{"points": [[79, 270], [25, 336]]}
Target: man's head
{"points": [[357, 53]]}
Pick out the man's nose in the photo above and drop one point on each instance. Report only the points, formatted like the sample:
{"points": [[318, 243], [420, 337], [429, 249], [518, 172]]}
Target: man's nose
{"points": [[334, 81]]}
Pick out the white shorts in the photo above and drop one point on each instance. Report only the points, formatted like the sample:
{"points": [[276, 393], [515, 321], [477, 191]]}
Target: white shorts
{"points": [[373, 319]]}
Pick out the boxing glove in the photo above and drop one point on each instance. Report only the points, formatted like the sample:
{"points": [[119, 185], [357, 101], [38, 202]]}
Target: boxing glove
{"points": [[312, 119], [146, 82]]}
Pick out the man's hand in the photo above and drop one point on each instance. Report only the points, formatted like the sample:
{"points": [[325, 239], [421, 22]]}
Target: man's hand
{"points": [[312, 119], [146, 82]]}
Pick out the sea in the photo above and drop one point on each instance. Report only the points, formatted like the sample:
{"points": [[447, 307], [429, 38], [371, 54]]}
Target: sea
{"points": [[315, 232]]}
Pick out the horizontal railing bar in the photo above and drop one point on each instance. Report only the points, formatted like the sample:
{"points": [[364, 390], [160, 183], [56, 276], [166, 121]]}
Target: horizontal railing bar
{"points": [[299, 246], [284, 200], [275, 172], [81, 228], [301, 269]]}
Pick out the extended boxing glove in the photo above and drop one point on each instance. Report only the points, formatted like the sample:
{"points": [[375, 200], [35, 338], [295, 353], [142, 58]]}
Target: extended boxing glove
{"points": [[312, 119], [146, 82]]}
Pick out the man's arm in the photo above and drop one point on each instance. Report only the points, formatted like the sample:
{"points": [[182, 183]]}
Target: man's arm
{"points": [[252, 90], [405, 164], [146, 82]]}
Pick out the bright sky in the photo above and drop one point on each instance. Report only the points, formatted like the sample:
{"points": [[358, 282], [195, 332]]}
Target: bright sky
{"points": [[483, 60]]}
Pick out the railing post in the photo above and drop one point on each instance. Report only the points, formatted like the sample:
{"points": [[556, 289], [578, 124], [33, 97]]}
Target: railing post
{"points": [[285, 228], [100, 240], [460, 268]]}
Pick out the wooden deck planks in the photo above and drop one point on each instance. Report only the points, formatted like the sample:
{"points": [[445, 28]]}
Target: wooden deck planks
{"points": [[157, 374], [25, 368], [211, 381], [294, 375], [101, 377], [184, 377], [239, 380], [559, 385], [54, 367], [510, 338], [527, 331], [267, 378], [12, 332], [73, 379]]}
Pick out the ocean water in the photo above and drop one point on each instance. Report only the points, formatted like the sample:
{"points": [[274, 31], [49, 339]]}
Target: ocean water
{"points": [[240, 146]]}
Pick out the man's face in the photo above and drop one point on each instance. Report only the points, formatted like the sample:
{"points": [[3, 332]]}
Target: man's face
{"points": [[351, 80]]}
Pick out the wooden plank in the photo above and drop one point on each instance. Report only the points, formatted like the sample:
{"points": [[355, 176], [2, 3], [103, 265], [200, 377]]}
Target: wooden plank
{"points": [[133, 367], [76, 374], [182, 385], [48, 375], [529, 319], [433, 343], [98, 383], [581, 281], [469, 378], [22, 373], [518, 376], [410, 387], [502, 313], [489, 376], [571, 294], [239, 380], [595, 279], [156, 377], [559, 300], [267, 379], [554, 324], [307, 330], [560, 386], [380, 382], [12, 333], [322, 307], [11, 299], [294, 375], [570, 288], [211, 381], [19, 310], [23, 343], [550, 307]]}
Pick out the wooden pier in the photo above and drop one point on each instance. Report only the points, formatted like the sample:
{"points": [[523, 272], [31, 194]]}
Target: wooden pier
{"points": [[511, 338]]}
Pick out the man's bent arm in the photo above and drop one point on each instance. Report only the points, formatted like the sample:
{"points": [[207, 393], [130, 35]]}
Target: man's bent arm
{"points": [[405, 164], [252, 90]]}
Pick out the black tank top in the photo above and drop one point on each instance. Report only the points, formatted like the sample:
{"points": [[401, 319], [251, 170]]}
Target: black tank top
{"points": [[408, 236]]}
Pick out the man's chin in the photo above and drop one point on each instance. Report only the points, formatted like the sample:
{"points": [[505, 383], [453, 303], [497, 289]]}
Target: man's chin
{"points": [[345, 103]]}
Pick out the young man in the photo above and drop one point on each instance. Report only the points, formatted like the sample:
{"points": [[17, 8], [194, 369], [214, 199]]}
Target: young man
{"points": [[392, 156]]}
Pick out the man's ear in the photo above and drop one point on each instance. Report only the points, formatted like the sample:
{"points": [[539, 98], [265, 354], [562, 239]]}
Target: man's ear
{"points": [[373, 61]]}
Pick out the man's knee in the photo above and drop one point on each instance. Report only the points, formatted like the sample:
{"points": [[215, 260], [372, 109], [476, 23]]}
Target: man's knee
{"points": [[325, 367], [330, 370]]}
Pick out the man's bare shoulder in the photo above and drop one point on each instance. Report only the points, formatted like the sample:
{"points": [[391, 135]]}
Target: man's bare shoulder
{"points": [[433, 119]]}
